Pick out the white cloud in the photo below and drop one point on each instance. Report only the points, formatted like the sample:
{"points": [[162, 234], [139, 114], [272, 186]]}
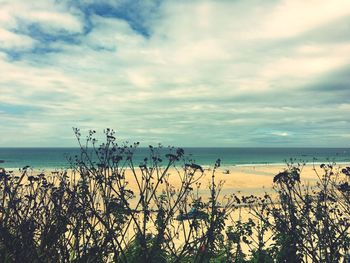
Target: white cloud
{"points": [[282, 134], [294, 17], [55, 21], [50, 16], [207, 67], [10, 40]]}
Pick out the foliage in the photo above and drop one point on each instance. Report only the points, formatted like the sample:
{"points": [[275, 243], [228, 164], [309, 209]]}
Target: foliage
{"points": [[109, 208]]}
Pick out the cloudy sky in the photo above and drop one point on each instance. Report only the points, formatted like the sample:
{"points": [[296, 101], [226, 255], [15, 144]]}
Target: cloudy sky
{"points": [[185, 73]]}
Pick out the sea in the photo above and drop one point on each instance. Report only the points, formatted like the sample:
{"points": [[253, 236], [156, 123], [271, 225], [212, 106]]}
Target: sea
{"points": [[57, 158]]}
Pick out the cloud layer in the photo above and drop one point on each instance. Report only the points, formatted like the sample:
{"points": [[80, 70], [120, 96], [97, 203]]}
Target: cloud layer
{"points": [[198, 73]]}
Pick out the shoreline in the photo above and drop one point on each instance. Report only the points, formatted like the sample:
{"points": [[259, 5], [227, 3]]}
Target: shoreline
{"points": [[205, 167]]}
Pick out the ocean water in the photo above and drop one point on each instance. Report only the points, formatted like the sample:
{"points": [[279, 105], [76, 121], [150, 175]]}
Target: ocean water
{"points": [[57, 157]]}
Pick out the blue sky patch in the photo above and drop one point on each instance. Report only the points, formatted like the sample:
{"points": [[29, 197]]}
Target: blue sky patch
{"points": [[13, 109]]}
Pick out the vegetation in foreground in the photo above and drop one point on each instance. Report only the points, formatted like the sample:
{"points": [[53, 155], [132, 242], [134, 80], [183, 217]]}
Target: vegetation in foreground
{"points": [[93, 215]]}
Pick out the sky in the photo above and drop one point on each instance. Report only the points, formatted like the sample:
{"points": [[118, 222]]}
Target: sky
{"points": [[229, 73]]}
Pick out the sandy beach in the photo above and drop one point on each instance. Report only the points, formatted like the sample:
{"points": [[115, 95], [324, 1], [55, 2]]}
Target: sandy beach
{"points": [[257, 179], [246, 179], [240, 180]]}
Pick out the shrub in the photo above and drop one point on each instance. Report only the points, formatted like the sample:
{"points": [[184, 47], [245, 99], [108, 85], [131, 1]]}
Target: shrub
{"points": [[109, 208], [93, 214]]}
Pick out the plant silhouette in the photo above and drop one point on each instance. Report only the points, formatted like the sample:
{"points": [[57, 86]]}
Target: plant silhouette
{"points": [[108, 208]]}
